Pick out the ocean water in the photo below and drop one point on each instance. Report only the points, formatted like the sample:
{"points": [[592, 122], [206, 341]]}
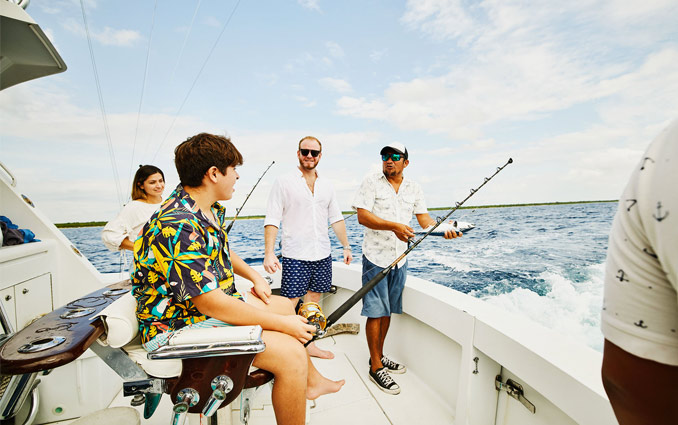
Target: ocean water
{"points": [[543, 262]]}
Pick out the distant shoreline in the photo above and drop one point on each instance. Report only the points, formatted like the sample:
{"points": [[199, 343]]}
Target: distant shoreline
{"points": [[255, 217]]}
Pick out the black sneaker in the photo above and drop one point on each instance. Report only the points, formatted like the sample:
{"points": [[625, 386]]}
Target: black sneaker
{"points": [[392, 366], [384, 381]]}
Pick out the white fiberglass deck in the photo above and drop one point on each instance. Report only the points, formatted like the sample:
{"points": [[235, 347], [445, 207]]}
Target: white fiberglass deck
{"points": [[359, 401]]}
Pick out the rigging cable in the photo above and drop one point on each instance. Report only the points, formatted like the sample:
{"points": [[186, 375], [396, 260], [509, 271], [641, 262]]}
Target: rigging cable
{"points": [[174, 71], [216, 42], [107, 131], [143, 89]]}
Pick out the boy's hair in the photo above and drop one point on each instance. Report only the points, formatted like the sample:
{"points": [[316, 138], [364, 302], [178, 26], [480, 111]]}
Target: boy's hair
{"points": [[198, 153], [143, 173]]}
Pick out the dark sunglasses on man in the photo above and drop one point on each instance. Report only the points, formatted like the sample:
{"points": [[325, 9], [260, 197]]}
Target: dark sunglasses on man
{"points": [[314, 153], [394, 156]]}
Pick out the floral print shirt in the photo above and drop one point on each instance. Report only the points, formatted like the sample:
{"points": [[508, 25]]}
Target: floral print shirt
{"points": [[377, 196], [181, 254]]}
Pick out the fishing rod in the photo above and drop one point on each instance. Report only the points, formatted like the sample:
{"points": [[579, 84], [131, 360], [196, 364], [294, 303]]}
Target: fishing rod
{"points": [[237, 211], [332, 318]]}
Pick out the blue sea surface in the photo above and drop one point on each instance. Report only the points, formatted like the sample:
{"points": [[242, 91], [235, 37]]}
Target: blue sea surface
{"points": [[543, 262]]}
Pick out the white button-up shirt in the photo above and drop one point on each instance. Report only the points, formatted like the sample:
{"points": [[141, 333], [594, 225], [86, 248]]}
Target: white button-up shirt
{"points": [[305, 215], [377, 196]]}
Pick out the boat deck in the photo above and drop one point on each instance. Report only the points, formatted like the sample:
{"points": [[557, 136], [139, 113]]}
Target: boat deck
{"points": [[359, 399]]}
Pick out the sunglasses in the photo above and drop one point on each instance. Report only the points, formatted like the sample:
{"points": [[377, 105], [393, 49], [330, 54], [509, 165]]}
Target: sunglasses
{"points": [[314, 153], [394, 156]]}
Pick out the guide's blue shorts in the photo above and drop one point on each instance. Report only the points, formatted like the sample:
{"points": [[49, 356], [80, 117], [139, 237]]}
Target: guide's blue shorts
{"points": [[300, 276], [386, 297]]}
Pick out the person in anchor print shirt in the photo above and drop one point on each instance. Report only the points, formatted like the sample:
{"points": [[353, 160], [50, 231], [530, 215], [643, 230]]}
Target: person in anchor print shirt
{"points": [[640, 306]]}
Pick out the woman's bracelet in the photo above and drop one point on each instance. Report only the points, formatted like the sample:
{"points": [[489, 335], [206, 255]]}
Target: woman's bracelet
{"points": [[347, 248]]}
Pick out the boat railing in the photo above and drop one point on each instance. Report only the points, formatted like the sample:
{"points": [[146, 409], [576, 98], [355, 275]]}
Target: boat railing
{"points": [[12, 179]]}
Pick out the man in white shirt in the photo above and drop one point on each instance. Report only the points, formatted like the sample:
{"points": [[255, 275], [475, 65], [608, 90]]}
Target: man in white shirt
{"points": [[385, 204], [306, 204]]}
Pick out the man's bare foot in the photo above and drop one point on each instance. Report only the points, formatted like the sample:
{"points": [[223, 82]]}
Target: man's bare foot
{"points": [[323, 386], [314, 351]]}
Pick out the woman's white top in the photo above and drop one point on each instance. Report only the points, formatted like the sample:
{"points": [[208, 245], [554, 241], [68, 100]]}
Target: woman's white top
{"points": [[127, 224]]}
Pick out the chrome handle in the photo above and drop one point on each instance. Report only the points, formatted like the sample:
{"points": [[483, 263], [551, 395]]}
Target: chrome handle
{"points": [[221, 385], [186, 398]]}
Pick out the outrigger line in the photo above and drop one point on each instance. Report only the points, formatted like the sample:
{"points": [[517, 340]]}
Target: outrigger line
{"points": [[332, 319], [237, 211]]}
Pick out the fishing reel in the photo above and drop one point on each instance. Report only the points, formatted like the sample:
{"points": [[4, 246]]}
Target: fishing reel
{"points": [[312, 312]]}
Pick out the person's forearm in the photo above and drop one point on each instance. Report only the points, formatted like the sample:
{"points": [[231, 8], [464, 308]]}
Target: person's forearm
{"points": [[425, 220], [241, 268], [226, 308], [371, 221], [339, 228], [270, 233], [127, 244]]}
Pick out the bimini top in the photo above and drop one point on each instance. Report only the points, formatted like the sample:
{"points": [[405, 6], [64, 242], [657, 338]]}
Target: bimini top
{"points": [[25, 51]]}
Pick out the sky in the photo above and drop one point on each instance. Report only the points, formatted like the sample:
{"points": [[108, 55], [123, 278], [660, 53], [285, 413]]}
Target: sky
{"points": [[573, 91]]}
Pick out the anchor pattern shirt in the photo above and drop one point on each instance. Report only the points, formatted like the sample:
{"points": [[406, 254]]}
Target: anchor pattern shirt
{"points": [[640, 306], [181, 254], [377, 196]]}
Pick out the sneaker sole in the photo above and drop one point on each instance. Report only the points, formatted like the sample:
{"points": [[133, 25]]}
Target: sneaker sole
{"points": [[386, 390], [397, 371]]}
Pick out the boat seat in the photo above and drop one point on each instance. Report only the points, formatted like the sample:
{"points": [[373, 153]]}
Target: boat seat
{"points": [[202, 369]]}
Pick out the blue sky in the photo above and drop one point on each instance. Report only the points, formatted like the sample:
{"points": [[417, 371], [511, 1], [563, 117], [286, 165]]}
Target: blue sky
{"points": [[573, 91]]}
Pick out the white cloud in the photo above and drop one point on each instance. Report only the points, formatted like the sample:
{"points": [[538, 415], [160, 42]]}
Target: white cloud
{"points": [[335, 50], [309, 4], [108, 36], [212, 22], [525, 61], [308, 103], [336, 84], [378, 55]]}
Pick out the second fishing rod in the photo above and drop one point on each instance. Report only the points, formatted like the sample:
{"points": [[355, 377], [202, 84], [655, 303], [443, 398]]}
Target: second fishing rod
{"points": [[367, 287]]}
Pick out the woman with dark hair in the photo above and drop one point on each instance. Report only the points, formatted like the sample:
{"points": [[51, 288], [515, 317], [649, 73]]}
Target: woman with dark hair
{"points": [[120, 233]]}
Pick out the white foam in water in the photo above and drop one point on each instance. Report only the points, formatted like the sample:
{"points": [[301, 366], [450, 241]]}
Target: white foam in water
{"points": [[456, 263], [569, 308]]}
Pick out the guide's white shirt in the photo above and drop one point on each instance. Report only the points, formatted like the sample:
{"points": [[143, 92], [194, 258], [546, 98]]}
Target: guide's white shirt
{"points": [[127, 224], [640, 308], [305, 215], [377, 196]]}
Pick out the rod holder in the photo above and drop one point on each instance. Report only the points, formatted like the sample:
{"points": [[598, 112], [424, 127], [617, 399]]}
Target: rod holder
{"points": [[186, 398], [221, 386]]}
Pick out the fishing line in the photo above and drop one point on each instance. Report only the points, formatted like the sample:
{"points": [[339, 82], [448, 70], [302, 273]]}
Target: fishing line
{"points": [[202, 68], [237, 210], [174, 71], [102, 106], [143, 90], [358, 295]]}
